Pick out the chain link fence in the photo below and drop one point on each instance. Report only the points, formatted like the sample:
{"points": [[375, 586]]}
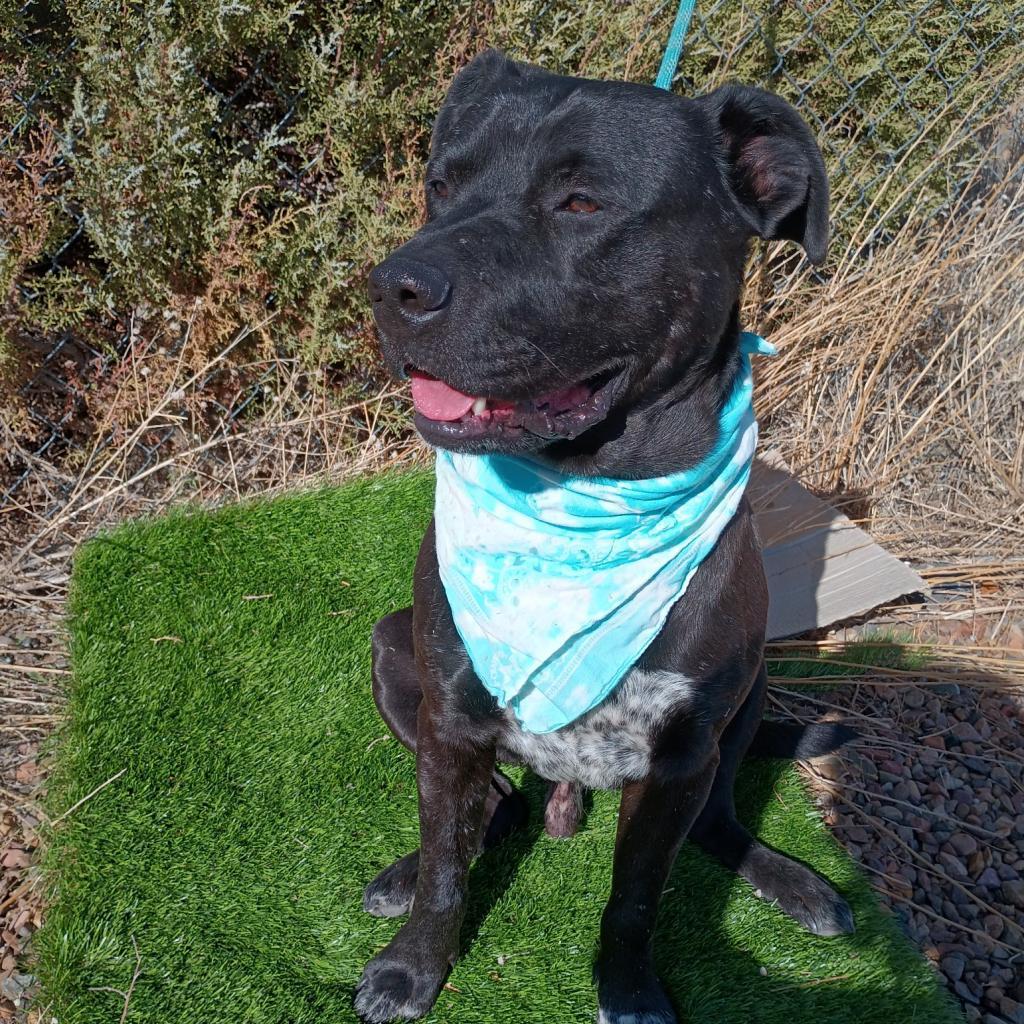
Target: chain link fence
{"points": [[880, 84], [909, 72]]}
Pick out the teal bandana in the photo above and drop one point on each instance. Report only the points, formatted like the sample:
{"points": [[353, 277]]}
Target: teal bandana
{"points": [[558, 583]]}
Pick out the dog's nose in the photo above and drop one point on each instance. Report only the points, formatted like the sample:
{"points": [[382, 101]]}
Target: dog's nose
{"points": [[417, 290]]}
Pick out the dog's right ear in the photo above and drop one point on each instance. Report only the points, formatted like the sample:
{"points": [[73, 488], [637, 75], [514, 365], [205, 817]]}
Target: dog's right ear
{"points": [[481, 77]]}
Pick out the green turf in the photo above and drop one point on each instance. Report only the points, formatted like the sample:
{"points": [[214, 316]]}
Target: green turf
{"points": [[881, 649], [261, 792]]}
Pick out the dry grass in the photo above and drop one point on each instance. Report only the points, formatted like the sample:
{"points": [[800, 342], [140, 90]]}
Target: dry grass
{"points": [[901, 379], [898, 386], [985, 666]]}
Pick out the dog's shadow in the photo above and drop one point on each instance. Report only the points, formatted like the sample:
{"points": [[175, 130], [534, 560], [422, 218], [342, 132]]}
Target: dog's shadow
{"points": [[493, 873], [702, 950]]}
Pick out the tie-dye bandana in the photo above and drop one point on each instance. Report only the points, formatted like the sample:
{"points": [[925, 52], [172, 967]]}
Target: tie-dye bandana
{"points": [[557, 583]]}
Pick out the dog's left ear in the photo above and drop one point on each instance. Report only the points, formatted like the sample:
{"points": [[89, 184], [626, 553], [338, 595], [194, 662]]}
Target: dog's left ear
{"points": [[774, 166]]}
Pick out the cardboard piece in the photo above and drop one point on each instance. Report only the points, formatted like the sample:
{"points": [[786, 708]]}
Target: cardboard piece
{"points": [[821, 568]]}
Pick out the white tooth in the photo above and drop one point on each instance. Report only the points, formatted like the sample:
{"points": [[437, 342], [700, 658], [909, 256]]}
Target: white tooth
{"points": [[479, 405]]}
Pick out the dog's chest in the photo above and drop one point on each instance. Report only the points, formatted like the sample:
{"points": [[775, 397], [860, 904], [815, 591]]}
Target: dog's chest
{"points": [[612, 743]]}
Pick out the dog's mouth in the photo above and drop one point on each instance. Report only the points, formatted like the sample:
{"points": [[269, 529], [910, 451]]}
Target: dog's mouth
{"points": [[446, 416]]}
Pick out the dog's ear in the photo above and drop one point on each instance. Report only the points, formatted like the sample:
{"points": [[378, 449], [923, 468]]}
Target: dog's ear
{"points": [[486, 69], [483, 76], [773, 164]]}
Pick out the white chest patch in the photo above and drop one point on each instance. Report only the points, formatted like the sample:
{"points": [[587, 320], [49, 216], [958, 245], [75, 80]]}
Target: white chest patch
{"points": [[609, 745]]}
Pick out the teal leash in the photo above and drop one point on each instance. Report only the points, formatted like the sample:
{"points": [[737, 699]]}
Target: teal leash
{"points": [[674, 47]]}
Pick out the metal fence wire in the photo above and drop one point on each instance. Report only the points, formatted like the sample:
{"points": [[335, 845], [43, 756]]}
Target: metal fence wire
{"points": [[871, 114], [850, 106]]}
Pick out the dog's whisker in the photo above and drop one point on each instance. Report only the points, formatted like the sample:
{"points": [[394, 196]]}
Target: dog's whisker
{"points": [[544, 354]]}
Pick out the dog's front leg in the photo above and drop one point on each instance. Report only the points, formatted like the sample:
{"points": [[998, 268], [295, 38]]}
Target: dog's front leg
{"points": [[453, 777], [655, 815]]}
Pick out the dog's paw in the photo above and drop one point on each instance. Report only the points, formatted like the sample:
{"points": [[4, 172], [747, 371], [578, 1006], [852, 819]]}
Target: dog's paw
{"points": [[392, 892], [396, 987], [804, 896], [634, 999]]}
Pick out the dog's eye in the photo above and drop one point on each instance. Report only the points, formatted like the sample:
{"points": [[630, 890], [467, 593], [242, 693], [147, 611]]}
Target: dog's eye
{"points": [[579, 203], [439, 188]]}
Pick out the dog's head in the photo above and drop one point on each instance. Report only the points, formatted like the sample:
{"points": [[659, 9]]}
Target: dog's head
{"points": [[583, 252]]}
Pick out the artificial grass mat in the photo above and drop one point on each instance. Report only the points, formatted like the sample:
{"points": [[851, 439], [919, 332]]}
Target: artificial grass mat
{"points": [[221, 662]]}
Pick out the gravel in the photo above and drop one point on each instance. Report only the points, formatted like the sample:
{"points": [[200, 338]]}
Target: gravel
{"points": [[930, 801]]}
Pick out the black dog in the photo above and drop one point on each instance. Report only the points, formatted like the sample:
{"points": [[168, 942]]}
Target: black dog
{"points": [[588, 238]]}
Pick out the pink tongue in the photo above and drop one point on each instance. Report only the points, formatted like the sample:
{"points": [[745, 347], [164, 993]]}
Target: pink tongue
{"points": [[436, 400]]}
